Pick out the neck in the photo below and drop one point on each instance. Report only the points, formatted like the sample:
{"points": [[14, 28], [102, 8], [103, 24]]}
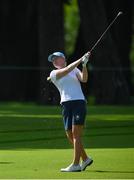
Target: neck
{"points": [[61, 67]]}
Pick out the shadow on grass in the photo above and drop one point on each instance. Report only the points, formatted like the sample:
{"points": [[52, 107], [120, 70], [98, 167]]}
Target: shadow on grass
{"points": [[107, 171], [6, 163], [49, 134]]}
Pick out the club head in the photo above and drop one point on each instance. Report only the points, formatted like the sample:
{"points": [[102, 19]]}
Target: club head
{"points": [[119, 13]]}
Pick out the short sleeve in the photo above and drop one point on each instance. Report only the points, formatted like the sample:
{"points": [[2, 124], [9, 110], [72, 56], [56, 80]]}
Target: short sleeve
{"points": [[77, 71], [53, 76]]}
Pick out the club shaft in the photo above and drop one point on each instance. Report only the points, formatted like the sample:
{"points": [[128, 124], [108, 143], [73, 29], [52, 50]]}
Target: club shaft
{"points": [[103, 33]]}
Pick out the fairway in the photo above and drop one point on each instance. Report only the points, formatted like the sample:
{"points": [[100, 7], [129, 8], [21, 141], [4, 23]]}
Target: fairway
{"points": [[33, 144]]}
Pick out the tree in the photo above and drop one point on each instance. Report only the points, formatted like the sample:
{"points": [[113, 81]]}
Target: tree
{"points": [[18, 46], [122, 33], [32, 29], [51, 38], [110, 85]]}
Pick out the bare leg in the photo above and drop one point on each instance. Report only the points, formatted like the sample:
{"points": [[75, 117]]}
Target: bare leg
{"points": [[83, 153], [78, 147], [70, 137]]}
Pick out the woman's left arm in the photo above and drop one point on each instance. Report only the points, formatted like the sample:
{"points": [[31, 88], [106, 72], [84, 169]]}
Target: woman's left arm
{"points": [[83, 76]]}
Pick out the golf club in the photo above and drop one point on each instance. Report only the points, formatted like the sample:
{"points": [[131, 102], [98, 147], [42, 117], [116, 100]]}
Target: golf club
{"points": [[120, 13], [93, 47]]}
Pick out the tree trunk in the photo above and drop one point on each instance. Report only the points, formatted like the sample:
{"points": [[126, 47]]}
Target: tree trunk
{"points": [[122, 33], [109, 83], [51, 38], [18, 41]]}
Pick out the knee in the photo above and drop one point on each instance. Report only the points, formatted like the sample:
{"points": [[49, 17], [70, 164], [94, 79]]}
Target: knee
{"points": [[70, 138], [77, 131], [76, 135]]}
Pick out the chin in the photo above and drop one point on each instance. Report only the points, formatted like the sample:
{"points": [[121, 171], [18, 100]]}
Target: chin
{"points": [[58, 67]]}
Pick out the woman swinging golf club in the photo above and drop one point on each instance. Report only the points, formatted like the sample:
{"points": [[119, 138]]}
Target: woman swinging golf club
{"points": [[67, 79]]}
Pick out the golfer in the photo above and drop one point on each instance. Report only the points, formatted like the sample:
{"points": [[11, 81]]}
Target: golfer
{"points": [[67, 79]]}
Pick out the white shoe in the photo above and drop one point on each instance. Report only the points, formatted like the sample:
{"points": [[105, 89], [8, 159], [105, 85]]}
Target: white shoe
{"points": [[86, 163], [72, 168]]}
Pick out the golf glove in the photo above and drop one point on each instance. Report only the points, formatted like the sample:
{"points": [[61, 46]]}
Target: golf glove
{"points": [[85, 59]]}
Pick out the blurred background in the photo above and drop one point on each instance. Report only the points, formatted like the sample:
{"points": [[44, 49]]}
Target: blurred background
{"points": [[32, 139], [32, 29]]}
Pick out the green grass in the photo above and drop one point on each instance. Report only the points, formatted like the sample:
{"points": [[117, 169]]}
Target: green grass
{"points": [[33, 144]]}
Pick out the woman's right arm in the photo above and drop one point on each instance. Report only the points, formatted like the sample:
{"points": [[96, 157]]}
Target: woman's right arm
{"points": [[64, 71]]}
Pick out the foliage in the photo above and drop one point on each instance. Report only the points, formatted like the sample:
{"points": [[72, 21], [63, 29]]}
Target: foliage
{"points": [[71, 25]]}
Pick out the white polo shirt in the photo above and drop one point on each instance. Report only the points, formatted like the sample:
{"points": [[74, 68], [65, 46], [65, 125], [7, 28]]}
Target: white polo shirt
{"points": [[68, 86]]}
